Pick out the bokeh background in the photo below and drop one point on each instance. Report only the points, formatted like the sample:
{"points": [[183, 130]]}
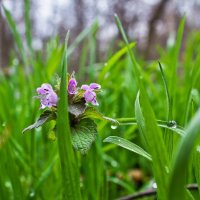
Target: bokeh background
{"points": [[29, 163], [148, 22]]}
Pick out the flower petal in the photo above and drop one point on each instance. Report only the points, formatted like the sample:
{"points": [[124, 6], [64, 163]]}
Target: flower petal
{"points": [[44, 89], [89, 96], [95, 86], [72, 86], [47, 96], [94, 102], [85, 87]]}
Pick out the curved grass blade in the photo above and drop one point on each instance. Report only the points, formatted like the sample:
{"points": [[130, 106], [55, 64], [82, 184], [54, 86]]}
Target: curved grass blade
{"points": [[163, 124], [70, 178], [155, 144], [93, 28], [182, 159], [128, 145], [28, 24], [43, 176], [16, 36], [168, 99], [148, 127], [108, 66]]}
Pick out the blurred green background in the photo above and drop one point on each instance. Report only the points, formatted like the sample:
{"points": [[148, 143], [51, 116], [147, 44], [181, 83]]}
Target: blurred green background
{"points": [[29, 165]]}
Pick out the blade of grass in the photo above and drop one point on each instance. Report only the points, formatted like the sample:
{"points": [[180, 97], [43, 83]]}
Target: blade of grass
{"points": [[28, 24], [173, 65], [155, 145], [127, 145], [169, 138], [16, 36], [168, 99], [163, 124], [14, 174], [108, 66], [81, 36], [70, 178], [147, 122], [182, 159], [196, 165]]}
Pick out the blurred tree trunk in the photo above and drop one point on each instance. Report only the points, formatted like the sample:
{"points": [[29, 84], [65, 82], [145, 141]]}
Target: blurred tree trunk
{"points": [[157, 14], [80, 17], [80, 24]]}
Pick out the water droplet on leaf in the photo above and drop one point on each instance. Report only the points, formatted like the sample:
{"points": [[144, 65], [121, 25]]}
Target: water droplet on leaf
{"points": [[154, 185], [113, 126], [32, 194], [172, 124]]}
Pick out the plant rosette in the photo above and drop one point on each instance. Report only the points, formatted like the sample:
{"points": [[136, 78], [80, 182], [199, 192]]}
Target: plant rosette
{"points": [[82, 109]]}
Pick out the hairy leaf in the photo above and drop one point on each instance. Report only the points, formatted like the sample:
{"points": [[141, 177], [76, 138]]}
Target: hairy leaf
{"points": [[77, 109], [83, 135], [46, 116], [91, 112]]}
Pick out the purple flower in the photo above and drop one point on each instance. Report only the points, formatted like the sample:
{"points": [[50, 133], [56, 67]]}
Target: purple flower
{"points": [[48, 97], [72, 86], [92, 86], [95, 86], [90, 95]]}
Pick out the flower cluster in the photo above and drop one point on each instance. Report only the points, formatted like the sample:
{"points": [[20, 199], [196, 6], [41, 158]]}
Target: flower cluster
{"points": [[48, 97]]}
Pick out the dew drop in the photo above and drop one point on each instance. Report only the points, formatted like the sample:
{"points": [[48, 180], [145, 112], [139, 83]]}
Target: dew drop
{"points": [[114, 163], [8, 184], [167, 169], [172, 124], [113, 126], [154, 185], [32, 194], [198, 149]]}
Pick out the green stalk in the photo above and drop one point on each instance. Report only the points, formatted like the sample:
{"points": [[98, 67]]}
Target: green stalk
{"points": [[160, 123], [69, 168]]}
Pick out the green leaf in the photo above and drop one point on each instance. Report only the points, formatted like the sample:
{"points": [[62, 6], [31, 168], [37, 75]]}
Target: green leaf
{"points": [[127, 145], [77, 108], [148, 127], [163, 124], [28, 23], [93, 113], [182, 159], [83, 135], [108, 66], [17, 37], [196, 165], [46, 116], [153, 139], [93, 28], [69, 167]]}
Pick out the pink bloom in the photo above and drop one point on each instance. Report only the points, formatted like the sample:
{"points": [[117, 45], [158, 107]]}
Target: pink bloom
{"points": [[72, 86], [90, 95], [47, 96]]}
